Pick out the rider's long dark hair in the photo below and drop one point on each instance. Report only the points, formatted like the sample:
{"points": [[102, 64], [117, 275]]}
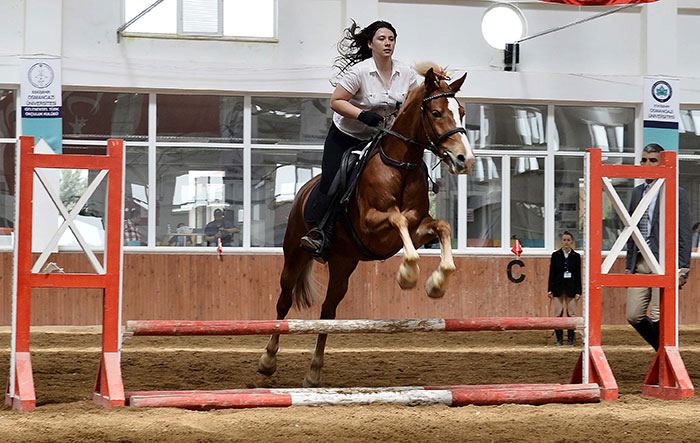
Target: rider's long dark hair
{"points": [[353, 46]]}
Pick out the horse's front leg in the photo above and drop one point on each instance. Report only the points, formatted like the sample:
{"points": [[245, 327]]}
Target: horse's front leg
{"points": [[409, 270], [436, 284]]}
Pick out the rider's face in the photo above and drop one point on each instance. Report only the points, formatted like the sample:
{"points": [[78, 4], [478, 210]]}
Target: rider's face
{"points": [[382, 44]]}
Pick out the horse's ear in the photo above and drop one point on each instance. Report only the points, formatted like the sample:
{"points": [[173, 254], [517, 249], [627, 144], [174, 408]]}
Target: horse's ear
{"points": [[455, 85], [430, 81]]}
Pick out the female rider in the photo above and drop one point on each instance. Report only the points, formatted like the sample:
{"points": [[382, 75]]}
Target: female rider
{"points": [[371, 87]]}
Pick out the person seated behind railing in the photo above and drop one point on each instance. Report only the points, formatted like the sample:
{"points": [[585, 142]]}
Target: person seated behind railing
{"points": [[182, 236], [132, 234], [220, 228]]}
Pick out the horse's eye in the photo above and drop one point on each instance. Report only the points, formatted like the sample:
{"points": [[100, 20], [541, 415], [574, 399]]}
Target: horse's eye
{"points": [[436, 114]]}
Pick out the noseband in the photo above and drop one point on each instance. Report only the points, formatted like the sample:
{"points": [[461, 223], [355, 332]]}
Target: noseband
{"points": [[432, 146]]}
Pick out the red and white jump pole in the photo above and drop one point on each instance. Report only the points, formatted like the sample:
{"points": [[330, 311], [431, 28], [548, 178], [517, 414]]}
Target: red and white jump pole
{"points": [[405, 395], [265, 327]]}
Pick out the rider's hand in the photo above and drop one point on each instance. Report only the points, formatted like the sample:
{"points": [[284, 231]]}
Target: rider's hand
{"points": [[370, 118]]}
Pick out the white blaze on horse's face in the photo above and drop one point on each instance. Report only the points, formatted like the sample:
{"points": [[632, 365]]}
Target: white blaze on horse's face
{"points": [[460, 155]]}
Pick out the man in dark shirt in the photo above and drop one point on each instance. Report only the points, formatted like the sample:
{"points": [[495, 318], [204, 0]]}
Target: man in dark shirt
{"points": [[220, 228]]}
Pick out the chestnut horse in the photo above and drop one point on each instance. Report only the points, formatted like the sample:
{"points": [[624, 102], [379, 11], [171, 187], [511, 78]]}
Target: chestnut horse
{"points": [[389, 211]]}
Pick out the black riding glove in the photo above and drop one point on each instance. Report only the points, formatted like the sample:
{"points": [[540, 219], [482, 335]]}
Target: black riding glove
{"points": [[370, 118]]}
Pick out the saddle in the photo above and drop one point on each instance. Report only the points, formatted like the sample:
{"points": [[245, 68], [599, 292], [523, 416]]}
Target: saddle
{"points": [[344, 183], [342, 189]]}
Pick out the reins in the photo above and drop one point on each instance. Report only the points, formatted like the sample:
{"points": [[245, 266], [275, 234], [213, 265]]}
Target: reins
{"points": [[431, 146]]}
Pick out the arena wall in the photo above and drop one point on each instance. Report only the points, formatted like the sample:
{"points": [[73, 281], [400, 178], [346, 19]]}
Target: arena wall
{"points": [[202, 287]]}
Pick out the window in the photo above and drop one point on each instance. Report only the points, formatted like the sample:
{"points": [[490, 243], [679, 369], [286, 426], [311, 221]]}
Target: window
{"points": [[199, 118], [8, 113], [581, 127], [577, 128], [689, 172], [443, 204], [72, 185], [527, 201], [7, 193], [136, 191], [192, 183], [290, 120], [689, 179], [569, 191], [277, 176], [612, 224], [201, 158], [484, 203], [499, 127], [103, 115], [203, 18]]}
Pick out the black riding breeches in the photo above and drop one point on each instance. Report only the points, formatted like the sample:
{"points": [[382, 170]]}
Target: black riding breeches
{"points": [[337, 142]]}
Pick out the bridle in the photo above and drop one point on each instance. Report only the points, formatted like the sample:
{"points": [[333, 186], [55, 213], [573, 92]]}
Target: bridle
{"points": [[432, 146]]}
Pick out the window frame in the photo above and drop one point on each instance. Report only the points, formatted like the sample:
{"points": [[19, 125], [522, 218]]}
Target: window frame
{"points": [[460, 231], [200, 36]]}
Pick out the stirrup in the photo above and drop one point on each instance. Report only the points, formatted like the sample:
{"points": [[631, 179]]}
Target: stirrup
{"points": [[314, 246]]}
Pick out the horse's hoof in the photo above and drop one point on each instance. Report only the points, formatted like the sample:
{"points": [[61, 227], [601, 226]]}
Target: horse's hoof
{"points": [[308, 383], [405, 284], [432, 290], [266, 369], [406, 277]]}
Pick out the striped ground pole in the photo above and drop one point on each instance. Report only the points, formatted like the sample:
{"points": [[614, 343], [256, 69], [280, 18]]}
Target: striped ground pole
{"points": [[405, 395], [265, 327]]}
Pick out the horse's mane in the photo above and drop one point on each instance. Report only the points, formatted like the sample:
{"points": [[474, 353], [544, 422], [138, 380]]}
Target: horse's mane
{"points": [[414, 97], [422, 67]]}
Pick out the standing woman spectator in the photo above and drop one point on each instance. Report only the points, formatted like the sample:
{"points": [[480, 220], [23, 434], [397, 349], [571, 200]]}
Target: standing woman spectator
{"points": [[370, 88], [565, 283]]}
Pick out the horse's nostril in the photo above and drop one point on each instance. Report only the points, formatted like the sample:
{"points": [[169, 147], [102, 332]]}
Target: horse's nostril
{"points": [[460, 157]]}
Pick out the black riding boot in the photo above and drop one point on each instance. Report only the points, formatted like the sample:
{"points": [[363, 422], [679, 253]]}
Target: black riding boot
{"points": [[318, 207], [322, 212], [560, 337], [317, 241], [570, 337], [649, 331]]}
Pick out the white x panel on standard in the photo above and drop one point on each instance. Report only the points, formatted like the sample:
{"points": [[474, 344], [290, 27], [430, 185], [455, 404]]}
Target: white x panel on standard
{"points": [[631, 228], [68, 222]]}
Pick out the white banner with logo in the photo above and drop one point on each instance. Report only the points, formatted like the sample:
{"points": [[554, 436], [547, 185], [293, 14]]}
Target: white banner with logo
{"points": [[40, 100], [40, 104], [661, 111]]}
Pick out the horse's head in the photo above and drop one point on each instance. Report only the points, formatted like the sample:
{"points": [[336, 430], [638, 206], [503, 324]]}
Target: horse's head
{"points": [[442, 116]]}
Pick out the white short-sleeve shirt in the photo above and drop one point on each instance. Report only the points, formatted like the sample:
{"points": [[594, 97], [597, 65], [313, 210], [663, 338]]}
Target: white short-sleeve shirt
{"points": [[370, 94]]}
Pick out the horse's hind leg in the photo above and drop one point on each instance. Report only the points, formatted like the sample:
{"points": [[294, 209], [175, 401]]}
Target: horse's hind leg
{"points": [[339, 270], [436, 284], [297, 265]]}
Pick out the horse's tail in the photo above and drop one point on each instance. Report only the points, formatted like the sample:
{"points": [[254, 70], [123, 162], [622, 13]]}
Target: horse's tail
{"points": [[305, 291], [422, 67]]}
